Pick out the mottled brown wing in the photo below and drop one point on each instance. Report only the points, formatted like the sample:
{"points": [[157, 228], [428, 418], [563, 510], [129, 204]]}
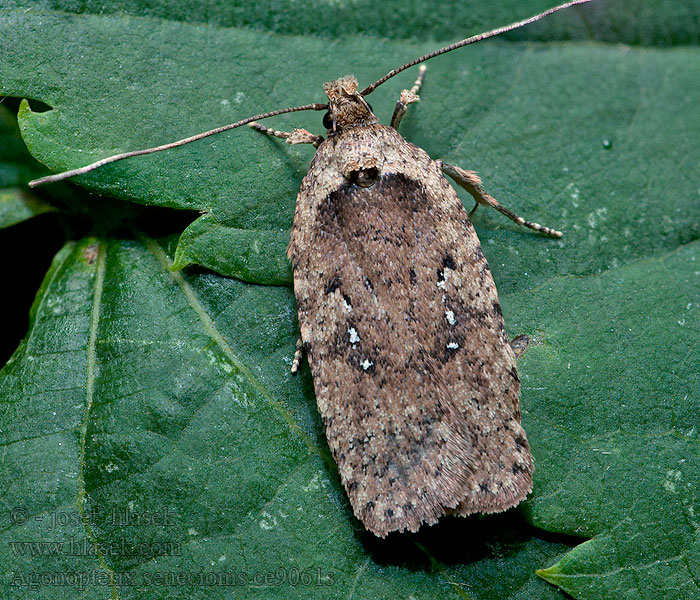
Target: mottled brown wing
{"points": [[413, 373]]}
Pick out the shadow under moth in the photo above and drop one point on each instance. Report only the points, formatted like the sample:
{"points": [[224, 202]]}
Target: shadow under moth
{"points": [[414, 375]]}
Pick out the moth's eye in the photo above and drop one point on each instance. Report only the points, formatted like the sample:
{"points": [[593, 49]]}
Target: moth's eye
{"points": [[328, 121]]}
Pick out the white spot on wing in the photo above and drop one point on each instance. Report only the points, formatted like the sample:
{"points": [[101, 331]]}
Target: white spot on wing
{"points": [[450, 316], [453, 345], [354, 338], [367, 364]]}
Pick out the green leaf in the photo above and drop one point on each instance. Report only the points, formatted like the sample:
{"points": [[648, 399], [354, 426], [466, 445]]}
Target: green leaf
{"points": [[17, 167], [611, 394], [17, 205], [644, 22], [218, 246], [171, 391]]}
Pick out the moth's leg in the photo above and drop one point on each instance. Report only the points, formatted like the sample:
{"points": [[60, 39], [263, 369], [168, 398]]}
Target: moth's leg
{"points": [[519, 344], [407, 97], [298, 353], [298, 136], [470, 181]]}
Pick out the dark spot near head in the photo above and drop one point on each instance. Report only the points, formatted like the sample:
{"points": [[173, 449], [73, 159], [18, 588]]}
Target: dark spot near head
{"points": [[368, 285], [352, 486], [516, 469], [440, 275], [363, 177], [389, 512], [484, 487], [448, 262], [369, 506], [412, 276], [520, 441]]}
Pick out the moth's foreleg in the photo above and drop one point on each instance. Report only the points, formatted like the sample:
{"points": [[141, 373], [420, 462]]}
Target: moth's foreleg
{"points": [[298, 353], [407, 97], [470, 181], [298, 136]]}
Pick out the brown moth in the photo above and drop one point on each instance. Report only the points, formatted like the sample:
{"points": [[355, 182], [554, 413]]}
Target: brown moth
{"points": [[413, 372], [414, 376]]}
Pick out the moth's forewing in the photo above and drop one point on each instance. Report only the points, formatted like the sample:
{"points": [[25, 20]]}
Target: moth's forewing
{"points": [[414, 376]]}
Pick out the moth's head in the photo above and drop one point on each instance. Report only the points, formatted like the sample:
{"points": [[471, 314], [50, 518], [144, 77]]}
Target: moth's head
{"points": [[346, 106]]}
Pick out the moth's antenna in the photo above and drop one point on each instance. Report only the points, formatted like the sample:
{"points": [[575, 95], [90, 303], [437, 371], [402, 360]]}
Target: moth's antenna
{"points": [[471, 40], [193, 138]]}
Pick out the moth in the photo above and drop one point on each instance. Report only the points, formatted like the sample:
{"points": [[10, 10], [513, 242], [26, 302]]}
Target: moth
{"points": [[413, 372]]}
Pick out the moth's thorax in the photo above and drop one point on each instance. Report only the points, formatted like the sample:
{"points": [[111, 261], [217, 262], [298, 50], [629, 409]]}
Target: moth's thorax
{"points": [[346, 107], [360, 156]]}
